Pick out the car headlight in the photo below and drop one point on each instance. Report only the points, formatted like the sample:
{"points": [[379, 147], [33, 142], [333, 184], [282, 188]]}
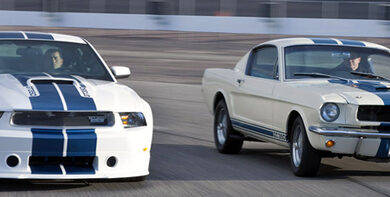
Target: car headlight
{"points": [[330, 112], [133, 119]]}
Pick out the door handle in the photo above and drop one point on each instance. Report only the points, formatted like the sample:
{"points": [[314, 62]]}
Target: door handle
{"points": [[240, 81]]}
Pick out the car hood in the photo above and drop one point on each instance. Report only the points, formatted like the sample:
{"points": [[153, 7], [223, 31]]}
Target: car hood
{"points": [[66, 93], [353, 91]]}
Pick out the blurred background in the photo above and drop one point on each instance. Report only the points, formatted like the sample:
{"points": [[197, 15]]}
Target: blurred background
{"points": [[347, 9], [175, 40], [295, 17], [168, 44]]}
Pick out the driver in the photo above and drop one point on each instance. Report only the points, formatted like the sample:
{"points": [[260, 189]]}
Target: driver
{"points": [[56, 58], [352, 63]]}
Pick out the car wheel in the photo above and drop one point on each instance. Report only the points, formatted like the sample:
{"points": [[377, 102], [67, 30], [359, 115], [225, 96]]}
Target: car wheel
{"points": [[305, 160], [225, 137]]}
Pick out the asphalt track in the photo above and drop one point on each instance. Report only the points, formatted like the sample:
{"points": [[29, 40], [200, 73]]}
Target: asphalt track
{"points": [[166, 71]]}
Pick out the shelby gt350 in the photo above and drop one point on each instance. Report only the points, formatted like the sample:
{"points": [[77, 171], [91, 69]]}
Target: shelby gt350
{"points": [[320, 97]]}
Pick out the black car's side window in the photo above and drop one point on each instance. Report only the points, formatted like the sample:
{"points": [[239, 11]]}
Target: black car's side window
{"points": [[263, 63]]}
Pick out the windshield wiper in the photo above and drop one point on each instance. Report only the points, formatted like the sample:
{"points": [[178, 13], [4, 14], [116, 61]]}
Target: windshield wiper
{"points": [[370, 75], [321, 75]]}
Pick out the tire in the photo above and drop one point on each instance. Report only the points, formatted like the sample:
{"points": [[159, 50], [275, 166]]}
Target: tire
{"points": [[305, 160], [226, 140]]}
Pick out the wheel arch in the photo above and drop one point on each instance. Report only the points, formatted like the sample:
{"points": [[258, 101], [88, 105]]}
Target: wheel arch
{"points": [[310, 158], [217, 97], [294, 113], [290, 121]]}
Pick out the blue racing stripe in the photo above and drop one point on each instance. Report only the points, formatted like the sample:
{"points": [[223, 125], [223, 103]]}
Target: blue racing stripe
{"points": [[253, 128], [81, 142], [74, 100], [377, 88], [323, 41], [71, 169], [374, 87], [12, 35], [47, 142], [39, 36], [274, 134], [23, 78], [48, 98], [383, 150], [385, 96], [352, 42], [45, 169]]}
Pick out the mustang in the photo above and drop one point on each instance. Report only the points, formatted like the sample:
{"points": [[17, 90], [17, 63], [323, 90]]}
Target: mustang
{"points": [[320, 97], [63, 114]]}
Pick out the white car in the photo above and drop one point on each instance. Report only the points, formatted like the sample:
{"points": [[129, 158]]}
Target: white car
{"points": [[71, 121], [321, 97]]}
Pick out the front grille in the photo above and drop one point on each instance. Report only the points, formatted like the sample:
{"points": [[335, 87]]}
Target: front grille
{"points": [[44, 118], [377, 113]]}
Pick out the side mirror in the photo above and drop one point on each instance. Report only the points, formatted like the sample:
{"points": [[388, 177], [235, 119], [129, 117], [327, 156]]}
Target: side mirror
{"points": [[120, 71]]}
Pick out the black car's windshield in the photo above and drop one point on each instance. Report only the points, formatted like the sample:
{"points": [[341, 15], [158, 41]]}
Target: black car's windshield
{"points": [[339, 61], [54, 58]]}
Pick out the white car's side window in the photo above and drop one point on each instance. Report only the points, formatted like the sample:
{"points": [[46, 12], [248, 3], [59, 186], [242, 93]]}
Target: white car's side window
{"points": [[263, 63]]}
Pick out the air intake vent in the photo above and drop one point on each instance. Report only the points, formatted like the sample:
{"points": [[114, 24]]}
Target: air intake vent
{"points": [[56, 165]]}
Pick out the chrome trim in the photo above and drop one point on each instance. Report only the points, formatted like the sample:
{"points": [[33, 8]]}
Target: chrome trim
{"points": [[347, 133], [357, 148]]}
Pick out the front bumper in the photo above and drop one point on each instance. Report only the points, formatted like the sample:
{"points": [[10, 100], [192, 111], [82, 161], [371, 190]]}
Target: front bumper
{"points": [[362, 143], [130, 147], [347, 133]]}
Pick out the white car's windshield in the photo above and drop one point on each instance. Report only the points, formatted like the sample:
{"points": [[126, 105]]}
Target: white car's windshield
{"points": [[307, 61], [54, 58]]}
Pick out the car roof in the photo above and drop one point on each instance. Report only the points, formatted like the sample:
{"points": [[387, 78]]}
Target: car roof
{"points": [[285, 42], [22, 35]]}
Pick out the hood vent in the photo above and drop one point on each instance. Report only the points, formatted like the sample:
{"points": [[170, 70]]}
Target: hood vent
{"points": [[46, 81], [383, 89]]}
